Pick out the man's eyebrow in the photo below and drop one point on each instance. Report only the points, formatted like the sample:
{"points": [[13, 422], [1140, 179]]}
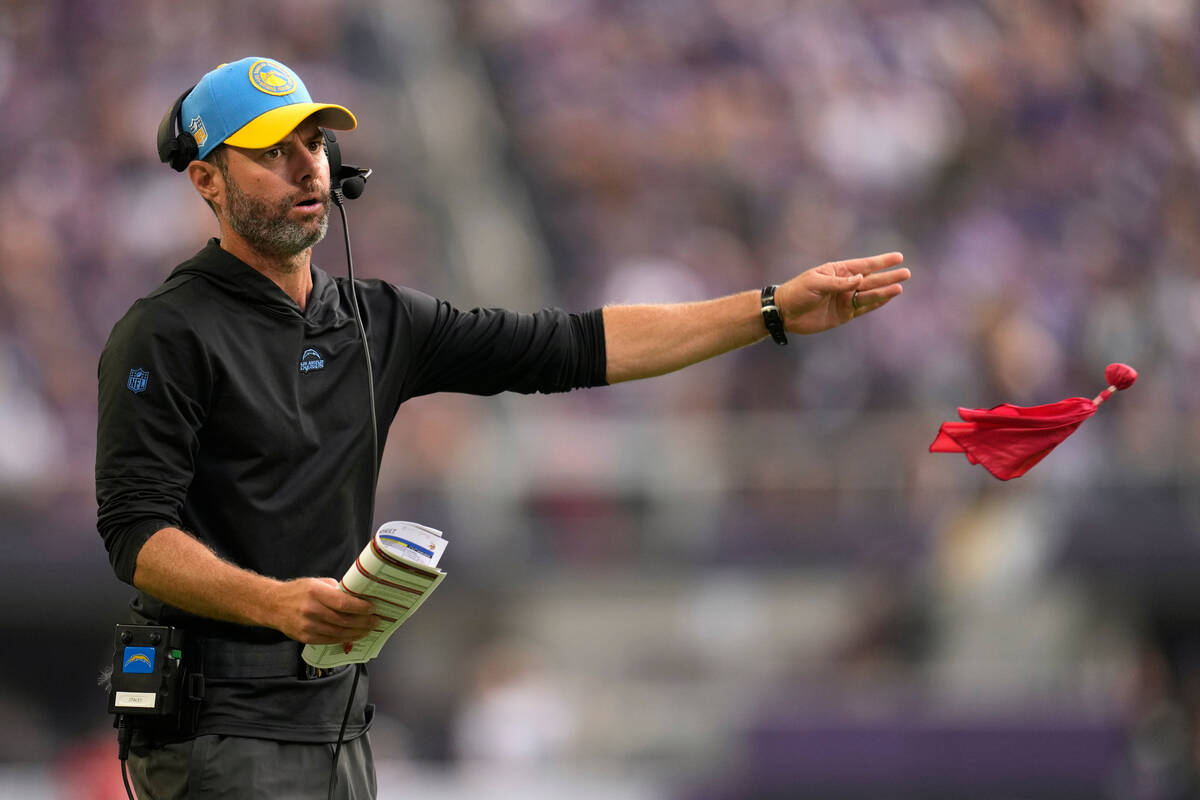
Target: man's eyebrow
{"points": [[267, 149]]}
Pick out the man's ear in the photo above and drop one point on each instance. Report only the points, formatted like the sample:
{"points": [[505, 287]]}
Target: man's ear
{"points": [[207, 179]]}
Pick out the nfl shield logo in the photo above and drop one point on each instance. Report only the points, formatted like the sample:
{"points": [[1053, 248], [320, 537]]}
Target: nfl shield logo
{"points": [[198, 131], [138, 378]]}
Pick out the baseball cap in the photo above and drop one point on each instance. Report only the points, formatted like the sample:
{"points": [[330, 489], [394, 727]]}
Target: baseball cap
{"points": [[253, 102]]}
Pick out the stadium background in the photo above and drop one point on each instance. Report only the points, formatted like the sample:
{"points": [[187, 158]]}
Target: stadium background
{"points": [[746, 580]]}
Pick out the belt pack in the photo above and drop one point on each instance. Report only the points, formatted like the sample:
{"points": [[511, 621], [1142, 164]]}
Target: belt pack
{"points": [[154, 685], [159, 675]]}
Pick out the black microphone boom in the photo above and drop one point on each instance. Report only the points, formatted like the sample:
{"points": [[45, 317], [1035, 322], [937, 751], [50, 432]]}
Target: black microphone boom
{"points": [[346, 180], [352, 179]]}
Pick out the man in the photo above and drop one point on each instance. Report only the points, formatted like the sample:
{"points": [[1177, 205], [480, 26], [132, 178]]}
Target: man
{"points": [[235, 466]]}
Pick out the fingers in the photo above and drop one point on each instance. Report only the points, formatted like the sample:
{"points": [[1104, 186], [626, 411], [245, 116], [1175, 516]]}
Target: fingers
{"points": [[883, 281], [880, 282], [346, 617], [333, 627], [327, 634], [819, 281], [866, 301], [319, 612], [870, 264], [364, 621], [345, 603]]}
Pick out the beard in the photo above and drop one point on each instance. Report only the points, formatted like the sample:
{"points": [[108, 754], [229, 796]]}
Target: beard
{"points": [[267, 228]]}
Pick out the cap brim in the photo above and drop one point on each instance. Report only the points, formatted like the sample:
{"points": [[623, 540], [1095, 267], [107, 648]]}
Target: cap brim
{"points": [[271, 127]]}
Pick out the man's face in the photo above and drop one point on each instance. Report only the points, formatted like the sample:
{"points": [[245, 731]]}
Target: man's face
{"points": [[277, 197]]}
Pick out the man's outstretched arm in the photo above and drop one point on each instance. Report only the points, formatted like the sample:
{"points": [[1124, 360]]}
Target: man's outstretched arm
{"points": [[642, 341]]}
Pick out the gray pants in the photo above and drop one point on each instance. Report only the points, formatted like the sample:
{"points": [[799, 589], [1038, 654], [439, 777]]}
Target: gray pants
{"points": [[232, 768]]}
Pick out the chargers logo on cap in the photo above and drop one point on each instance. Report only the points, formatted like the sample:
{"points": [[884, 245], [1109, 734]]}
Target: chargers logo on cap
{"points": [[198, 131], [138, 660], [272, 77]]}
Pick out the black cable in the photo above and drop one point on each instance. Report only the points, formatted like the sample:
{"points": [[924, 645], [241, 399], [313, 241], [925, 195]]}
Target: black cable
{"points": [[342, 730], [125, 778], [362, 333], [336, 194], [124, 736]]}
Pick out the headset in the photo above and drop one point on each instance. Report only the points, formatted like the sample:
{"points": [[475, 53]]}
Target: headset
{"points": [[176, 145], [345, 180]]}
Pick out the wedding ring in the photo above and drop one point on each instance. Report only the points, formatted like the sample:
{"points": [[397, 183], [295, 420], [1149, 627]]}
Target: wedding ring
{"points": [[854, 299]]}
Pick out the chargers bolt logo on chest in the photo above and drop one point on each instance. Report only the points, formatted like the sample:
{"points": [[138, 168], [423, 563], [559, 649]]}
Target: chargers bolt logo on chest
{"points": [[311, 360]]}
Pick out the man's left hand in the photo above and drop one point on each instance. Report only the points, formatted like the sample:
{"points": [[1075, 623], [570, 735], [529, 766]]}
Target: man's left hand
{"points": [[837, 292]]}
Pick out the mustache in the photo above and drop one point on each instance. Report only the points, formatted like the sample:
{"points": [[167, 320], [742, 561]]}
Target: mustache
{"points": [[317, 191]]}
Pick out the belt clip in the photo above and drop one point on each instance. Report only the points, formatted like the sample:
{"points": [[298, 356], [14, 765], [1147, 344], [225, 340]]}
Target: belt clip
{"points": [[312, 673]]}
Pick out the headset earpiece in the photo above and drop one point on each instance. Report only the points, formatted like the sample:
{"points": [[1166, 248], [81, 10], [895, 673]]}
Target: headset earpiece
{"points": [[345, 180], [176, 145]]}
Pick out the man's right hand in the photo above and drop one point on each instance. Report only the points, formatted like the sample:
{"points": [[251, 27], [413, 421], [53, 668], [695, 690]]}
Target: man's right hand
{"points": [[178, 569], [316, 611]]}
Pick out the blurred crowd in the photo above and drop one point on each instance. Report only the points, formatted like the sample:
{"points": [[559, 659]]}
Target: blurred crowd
{"points": [[1036, 162]]}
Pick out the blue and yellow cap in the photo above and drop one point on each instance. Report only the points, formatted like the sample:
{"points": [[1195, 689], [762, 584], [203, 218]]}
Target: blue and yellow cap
{"points": [[253, 102]]}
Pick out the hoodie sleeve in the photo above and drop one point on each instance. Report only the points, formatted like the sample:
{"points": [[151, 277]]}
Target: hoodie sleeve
{"points": [[489, 350], [154, 382]]}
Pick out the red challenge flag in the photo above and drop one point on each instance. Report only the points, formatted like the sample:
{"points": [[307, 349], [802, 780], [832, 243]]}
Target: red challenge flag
{"points": [[1008, 440]]}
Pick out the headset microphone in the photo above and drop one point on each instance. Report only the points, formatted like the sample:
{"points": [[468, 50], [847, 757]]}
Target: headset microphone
{"points": [[345, 180]]}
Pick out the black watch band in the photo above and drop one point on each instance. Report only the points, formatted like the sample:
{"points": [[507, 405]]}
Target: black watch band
{"points": [[771, 316]]}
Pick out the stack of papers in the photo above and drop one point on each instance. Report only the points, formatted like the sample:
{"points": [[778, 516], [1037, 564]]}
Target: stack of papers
{"points": [[396, 571]]}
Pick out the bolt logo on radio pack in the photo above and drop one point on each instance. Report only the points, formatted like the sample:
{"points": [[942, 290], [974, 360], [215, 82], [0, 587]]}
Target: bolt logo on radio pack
{"points": [[138, 660]]}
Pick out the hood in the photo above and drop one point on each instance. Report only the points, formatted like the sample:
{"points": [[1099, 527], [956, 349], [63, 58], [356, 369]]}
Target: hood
{"points": [[242, 281]]}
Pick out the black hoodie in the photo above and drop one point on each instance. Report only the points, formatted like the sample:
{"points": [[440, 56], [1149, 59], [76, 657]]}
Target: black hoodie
{"points": [[226, 411]]}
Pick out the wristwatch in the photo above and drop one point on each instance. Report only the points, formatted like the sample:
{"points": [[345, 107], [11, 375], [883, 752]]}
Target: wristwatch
{"points": [[771, 316]]}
